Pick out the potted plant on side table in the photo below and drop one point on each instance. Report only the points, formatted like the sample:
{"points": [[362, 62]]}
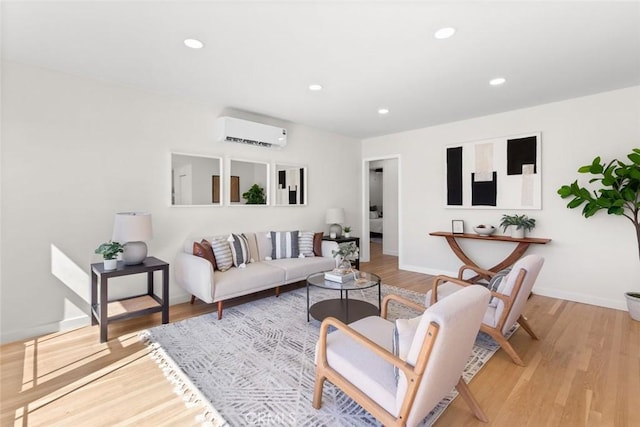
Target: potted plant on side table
{"points": [[619, 194], [519, 224], [347, 231], [109, 251]]}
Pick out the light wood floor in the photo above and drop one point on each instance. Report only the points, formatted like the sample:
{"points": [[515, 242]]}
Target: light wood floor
{"points": [[584, 371]]}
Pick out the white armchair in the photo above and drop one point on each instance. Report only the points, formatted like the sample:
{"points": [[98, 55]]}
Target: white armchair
{"points": [[507, 303], [359, 358]]}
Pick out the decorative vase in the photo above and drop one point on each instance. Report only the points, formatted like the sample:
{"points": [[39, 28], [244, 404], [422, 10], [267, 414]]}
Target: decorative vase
{"points": [[110, 264], [344, 264], [633, 304], [347, 234], [517, 233]]}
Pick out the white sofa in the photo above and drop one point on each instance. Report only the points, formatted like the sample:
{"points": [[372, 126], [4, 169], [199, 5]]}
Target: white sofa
{"points": [[196, 275]]}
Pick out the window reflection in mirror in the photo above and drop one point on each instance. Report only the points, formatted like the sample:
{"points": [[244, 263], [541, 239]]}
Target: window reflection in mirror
{"points": [[291, 185], [249, 183], [195, 180]]}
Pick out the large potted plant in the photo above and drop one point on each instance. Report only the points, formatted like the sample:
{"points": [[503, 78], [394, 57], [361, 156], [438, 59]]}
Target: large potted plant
{"points": [[618, 193], [109, 251], [255, 195]]}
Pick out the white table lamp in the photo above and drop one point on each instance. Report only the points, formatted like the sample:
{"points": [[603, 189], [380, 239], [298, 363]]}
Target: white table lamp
{"points": [[334, 217], [132, 229]]}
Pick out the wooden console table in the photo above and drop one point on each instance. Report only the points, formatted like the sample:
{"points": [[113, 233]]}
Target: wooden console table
{"points": [[520, 249]]}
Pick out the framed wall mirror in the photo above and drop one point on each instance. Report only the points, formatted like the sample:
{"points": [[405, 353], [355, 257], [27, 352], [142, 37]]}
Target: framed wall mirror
{"points": [[248, 183], [196, 180], [291, 185]]}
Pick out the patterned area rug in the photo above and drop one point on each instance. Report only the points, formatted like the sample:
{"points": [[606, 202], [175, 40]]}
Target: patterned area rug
{"points": [[255, 366]]}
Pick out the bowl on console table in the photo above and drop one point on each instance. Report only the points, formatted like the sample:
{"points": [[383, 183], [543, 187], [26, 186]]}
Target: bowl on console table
{"points": [[484, 230]]}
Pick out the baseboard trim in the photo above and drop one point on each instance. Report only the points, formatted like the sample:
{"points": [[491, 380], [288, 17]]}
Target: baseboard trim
{"points": [[49, 328], [545, 292], [581, 298], [430, 271], [65, 325]]}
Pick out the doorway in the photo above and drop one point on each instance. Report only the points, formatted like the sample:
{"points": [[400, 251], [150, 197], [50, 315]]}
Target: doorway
{"points": [[381, 205]]}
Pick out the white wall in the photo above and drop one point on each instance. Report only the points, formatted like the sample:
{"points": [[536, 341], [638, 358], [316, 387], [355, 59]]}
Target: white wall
{"points": [[75, 151], [390, 207], [590, 260]]}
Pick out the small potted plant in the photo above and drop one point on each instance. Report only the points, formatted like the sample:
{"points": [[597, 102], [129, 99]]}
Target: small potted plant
{"points": [[347, 251], [518, 223], [347, 231], [255, 195], [109, 252]]}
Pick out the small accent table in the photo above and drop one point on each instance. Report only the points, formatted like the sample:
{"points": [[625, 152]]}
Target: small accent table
{"points": [[345, 240], [103, 310], [344, 309], [520, 249]]}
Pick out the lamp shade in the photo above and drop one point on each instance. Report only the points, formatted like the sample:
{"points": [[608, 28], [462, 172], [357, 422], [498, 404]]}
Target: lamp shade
{"points": [[334, 216], [132, 227]]}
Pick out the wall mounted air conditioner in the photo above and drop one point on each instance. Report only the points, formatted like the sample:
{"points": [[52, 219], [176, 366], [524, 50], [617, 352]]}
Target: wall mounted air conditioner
{"points": [[246, 132]]}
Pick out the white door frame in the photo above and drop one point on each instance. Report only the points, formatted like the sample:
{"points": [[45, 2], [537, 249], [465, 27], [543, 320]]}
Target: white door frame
{"points": [[365, 249]]}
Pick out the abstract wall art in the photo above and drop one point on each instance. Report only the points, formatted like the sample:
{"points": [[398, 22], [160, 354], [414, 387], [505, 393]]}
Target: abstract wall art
{"points": [[291, 185], [497, 173]]}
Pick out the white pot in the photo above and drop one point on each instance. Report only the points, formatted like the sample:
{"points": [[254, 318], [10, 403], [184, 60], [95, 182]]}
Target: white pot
{"points": [[633, 304], [517, 233], [347, 234], [110, 264]]}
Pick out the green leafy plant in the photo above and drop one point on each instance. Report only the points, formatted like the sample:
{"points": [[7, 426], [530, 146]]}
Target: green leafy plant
{"points": [[255, 195], [618, 192], [109, 250], [347, 250], [519, 221], [347, 229]]}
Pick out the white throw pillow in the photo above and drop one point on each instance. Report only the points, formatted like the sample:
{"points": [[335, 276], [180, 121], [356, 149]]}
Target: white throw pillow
{"points": [[403, 333], [373, 215]]}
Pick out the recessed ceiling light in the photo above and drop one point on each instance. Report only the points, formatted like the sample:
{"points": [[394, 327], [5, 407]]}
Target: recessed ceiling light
{"points": [[315, 87], [193, 43], [383, 111], [497, 81], [444, 33]]}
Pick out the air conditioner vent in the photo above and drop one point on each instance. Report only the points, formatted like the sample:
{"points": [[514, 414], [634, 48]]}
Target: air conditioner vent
{"points": [[245, 132]]}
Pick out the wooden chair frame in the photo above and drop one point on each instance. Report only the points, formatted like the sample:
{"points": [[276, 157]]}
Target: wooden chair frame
{"points": [[494, 332], [413, 374]]}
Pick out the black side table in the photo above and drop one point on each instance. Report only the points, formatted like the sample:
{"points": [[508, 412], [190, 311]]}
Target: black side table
{"points": [[103, 310], [345, 240]]}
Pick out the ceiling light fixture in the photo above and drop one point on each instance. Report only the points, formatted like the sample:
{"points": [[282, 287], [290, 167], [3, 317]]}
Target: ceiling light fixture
{"points": [[444, 33], [497, 81], [383, 111], [193, 44], [315, 87]]}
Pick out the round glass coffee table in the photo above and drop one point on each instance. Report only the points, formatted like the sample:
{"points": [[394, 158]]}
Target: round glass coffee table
{"points": [[344, 309]]}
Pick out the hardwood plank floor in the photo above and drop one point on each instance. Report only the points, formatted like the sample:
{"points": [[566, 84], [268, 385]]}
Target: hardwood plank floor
{"points": [[584, 371]]}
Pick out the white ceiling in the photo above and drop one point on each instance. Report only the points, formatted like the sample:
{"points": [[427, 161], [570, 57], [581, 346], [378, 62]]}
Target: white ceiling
{"points": [[261, 56]]}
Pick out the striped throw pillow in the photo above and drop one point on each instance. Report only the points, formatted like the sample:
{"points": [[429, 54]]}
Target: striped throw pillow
{"points": [[240, 250], [497, 284], [222, 252], [284, 244], [305, 243]]}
